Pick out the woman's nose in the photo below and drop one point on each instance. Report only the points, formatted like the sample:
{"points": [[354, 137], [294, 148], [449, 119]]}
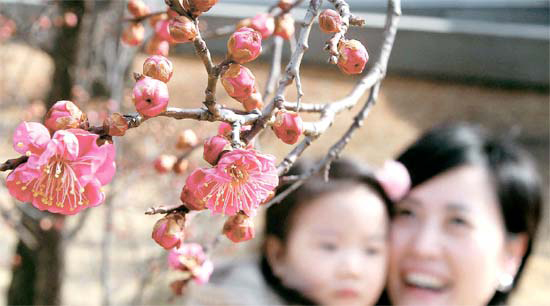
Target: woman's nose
{"points": [[426, 242]]}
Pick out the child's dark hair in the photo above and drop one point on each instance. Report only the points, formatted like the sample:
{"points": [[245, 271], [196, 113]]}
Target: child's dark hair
{"points": [[279, 218], [511, 169]]}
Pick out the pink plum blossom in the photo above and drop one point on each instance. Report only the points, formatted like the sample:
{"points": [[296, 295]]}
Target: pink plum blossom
{"points": [[64, 115], [238, 81], [239, 228], [288, 126], [263, 23], [213, 148], [194, 191], [284, 26], [241, 180], [64, 173], [352, 56], [169, 231], [150, 96], [190, 257], [244, 45]]}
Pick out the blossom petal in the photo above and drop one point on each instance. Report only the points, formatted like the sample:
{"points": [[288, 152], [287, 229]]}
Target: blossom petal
{"points": [[18, 182], [67, 144], [30, 137]]}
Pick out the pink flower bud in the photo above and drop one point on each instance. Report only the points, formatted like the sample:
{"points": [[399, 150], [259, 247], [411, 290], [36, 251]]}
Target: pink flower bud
{"points": [[288, 126], [352, 56], [150, 96], [70, 19], [239, 228], [284, 26], [64, 115], [244, 45], [182, 29], [158, 67], [394, 178], [263, 23], [187, 139], [165, 163], [169, 231], [285, 4], [238, 81], [252, 102], [330, 21], [133, 34], [157, 46], [138, 8], [193, 194], [213, 148], [197, 7], [115, 125], [162, 31], [191, 258], [181, 166]]}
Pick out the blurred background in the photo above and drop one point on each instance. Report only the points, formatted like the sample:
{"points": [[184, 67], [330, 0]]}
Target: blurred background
{"points": [[484, 61]]}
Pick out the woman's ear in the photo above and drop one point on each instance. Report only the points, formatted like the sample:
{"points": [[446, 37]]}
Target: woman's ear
{"points": [[275, 252], [515, 248]]}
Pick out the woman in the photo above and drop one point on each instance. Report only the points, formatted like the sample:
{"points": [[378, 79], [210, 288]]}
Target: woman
{"points": [[463, 233]]}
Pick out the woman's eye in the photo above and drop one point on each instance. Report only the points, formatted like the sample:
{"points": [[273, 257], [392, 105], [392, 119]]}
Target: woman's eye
{"points": [[371, 251]]}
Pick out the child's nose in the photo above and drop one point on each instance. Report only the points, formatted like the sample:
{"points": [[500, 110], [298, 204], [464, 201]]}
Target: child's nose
{"points": [[350, 265]]}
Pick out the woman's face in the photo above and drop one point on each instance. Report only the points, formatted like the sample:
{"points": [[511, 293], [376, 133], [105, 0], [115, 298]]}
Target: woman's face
{"points": [[448, 242], [336, 252]]}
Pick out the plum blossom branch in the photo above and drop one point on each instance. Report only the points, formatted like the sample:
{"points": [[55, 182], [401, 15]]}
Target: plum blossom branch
{"points": [[11, 164], [275, 69], [292, 71], [332, 44]]}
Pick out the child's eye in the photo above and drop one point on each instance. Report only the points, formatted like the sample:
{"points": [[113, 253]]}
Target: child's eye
{"points": [[404, 212], [459, 221]]}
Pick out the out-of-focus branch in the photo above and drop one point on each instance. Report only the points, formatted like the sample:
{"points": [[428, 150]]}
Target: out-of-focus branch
{"points": [[275, 69], [144, 17], [292, 71], [24, 234], [166, 209]]}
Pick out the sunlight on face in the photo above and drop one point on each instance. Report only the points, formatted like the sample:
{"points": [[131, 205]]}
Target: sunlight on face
{"points": [[336, 252], [447, 241]]}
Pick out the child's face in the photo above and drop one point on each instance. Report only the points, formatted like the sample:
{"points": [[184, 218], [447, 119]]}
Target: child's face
{"points": [[336, 252]]}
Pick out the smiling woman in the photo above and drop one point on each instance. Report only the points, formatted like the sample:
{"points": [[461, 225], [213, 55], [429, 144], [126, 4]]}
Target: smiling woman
{"points": [[465, 230]]}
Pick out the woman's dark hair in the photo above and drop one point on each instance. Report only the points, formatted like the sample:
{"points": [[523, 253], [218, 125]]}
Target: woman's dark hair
{"points": [[280, 217], [511, 169]]}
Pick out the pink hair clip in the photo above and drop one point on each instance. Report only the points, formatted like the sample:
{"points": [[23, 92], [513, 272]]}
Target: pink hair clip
{"points": [[394, 178]]}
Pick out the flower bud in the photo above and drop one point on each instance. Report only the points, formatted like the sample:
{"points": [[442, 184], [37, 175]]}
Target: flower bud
{"points": [[182, 29], [157, 46], [150, 96], [158, 67], [70, 19], [352, 56], [263, 23], [168, 232], [165, 163], [285, 4], [330, 21], [243, 23], [284, 26], [138, 8], [133, 34], [238, 81], [213, 148], [254, 101], [187, 139], [244, 45], [64, 115], [115, 125], [193, 194], [156, 18], [197, 7], [239, 228], [181, 166], [288, 126], [162, 31]]}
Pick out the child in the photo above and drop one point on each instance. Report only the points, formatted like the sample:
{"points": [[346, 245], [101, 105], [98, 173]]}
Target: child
{"points": [[326, 242]]}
